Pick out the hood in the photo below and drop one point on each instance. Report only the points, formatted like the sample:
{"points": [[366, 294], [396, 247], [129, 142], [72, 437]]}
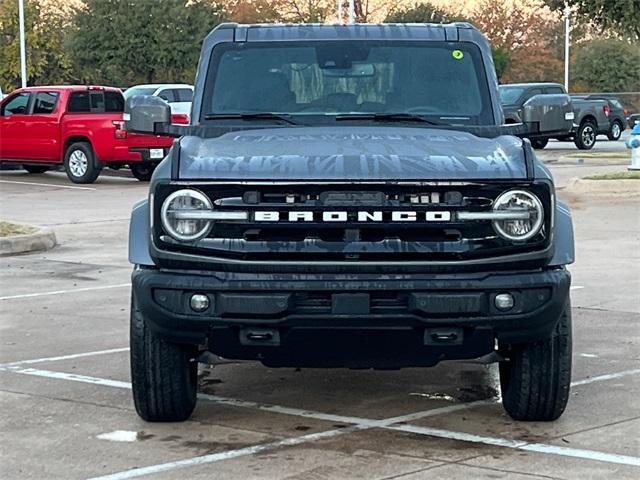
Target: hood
{"points": [[351, 153]]}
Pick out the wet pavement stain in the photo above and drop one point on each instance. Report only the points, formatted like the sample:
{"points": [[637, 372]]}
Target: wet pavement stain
{"points": [[210, 446], [477, 392]]}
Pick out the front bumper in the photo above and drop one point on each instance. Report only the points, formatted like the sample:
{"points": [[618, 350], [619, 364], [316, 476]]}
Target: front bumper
{"points": [[383, 321]]}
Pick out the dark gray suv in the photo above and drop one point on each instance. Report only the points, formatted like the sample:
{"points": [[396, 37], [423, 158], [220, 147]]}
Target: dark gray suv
{"points": [[348, 196]]}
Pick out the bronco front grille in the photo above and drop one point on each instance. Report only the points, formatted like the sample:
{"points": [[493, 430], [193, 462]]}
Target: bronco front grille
{"points": [[352, 222]]}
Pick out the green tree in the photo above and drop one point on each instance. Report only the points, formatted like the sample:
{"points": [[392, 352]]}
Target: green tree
{"points": [[620, 16], [420, 13], [45, 29], [607, 65], [251, 11], [305, 11], [500, 60], [122, 42], [521, 31]]}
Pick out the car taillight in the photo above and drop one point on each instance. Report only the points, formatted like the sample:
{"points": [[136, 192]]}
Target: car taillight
{"points": [[626, 112], [606, 109], [120, 131], [180, 118]]}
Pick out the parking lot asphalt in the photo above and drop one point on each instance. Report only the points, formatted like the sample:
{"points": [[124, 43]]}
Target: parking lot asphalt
{"points": [[66, 409]]}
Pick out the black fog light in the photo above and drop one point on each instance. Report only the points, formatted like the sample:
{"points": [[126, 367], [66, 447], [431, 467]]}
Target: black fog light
{"points": [[199, 302], [503, 301]]}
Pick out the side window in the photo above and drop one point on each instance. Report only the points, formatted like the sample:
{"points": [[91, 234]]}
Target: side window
{"points": [[16, 104], [532, 92], [184, 94], [97, 101], [79, 103], [113, 101], [45, 102], [167, 95], [554, 90]]}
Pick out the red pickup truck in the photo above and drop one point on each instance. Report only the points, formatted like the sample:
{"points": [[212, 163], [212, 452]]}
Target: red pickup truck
{"points": [[78, 126]]}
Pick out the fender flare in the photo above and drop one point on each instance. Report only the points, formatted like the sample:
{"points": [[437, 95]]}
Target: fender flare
{"points": [[563, 241], [140, 234]]}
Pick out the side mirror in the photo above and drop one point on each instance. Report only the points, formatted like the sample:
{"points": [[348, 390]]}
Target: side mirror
{"points": [[146, 114], [548, 113]]}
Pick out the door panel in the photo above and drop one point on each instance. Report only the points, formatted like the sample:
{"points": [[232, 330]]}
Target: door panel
{"points": [[43, 127], [12, 127]]}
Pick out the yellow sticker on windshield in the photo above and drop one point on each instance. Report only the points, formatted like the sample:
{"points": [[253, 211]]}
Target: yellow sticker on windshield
{"points": [[457, 54]]}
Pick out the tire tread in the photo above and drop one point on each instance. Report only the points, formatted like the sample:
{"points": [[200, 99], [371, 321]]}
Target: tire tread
{"points": [[164, 375], [535, 382]]}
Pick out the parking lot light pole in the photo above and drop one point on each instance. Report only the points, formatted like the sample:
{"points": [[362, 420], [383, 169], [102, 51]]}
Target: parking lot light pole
{"points": [[567, 41], [23, 55], [352, 13], [339, 11]]}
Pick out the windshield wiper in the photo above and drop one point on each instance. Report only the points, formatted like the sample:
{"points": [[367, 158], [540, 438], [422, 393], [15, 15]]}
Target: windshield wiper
{"points": [[389, 117], [249, 116]]}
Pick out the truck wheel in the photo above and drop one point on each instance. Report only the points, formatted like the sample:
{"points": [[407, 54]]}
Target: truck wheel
{"points": [[535, 380], [80, 163], [35, 168], [142, 171], [585, 137], [539, 143], [163, 375], [615, 131]]}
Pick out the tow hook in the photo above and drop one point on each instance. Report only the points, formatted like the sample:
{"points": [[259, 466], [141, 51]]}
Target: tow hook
{"points": [[259, 336]]}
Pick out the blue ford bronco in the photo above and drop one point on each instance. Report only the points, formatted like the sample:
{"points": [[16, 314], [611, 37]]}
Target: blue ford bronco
{"points": [[348, 196]]}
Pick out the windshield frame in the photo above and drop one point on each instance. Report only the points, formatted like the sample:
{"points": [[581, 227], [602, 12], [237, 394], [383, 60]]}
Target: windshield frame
{"points": [[486, 117]]}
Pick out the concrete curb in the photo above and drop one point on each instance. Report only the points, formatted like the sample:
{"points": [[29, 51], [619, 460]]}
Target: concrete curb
{"points": [[604, 187], [42, 239]]}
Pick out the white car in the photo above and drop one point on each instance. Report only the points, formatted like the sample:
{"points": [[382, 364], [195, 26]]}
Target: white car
{"points": [[177, 95]]}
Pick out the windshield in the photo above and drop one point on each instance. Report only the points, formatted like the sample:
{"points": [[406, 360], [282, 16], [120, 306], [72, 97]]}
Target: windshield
{"points": [[509, 95], [132, 92], [441, 81]]}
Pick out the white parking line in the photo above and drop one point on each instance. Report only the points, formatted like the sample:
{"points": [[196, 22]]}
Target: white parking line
{"points": [[357, 423], [371, 423], [576, 287], [609, 376], [520, 445], [65, 357], [67, 376], [216, 457], [47, 185], [61, 292]]}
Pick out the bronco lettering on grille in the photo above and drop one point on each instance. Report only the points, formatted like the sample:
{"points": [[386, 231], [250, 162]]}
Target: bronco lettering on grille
{"points": [[345, 216]]}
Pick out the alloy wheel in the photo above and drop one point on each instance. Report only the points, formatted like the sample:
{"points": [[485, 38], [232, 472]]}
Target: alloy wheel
{"points": [[615, 131], [588, 135], [78, 163]]}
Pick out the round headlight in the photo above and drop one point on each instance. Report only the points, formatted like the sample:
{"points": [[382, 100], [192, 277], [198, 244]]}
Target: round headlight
{"points": [[518, 202], [179, 215]]}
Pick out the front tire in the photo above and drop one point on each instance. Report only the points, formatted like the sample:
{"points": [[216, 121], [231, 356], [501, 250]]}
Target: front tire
{"points": [[142, 172], [164, 377], [35, 168], [585, 137], [536, 379], [539, 143], [80, 163], [615, 131]]}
